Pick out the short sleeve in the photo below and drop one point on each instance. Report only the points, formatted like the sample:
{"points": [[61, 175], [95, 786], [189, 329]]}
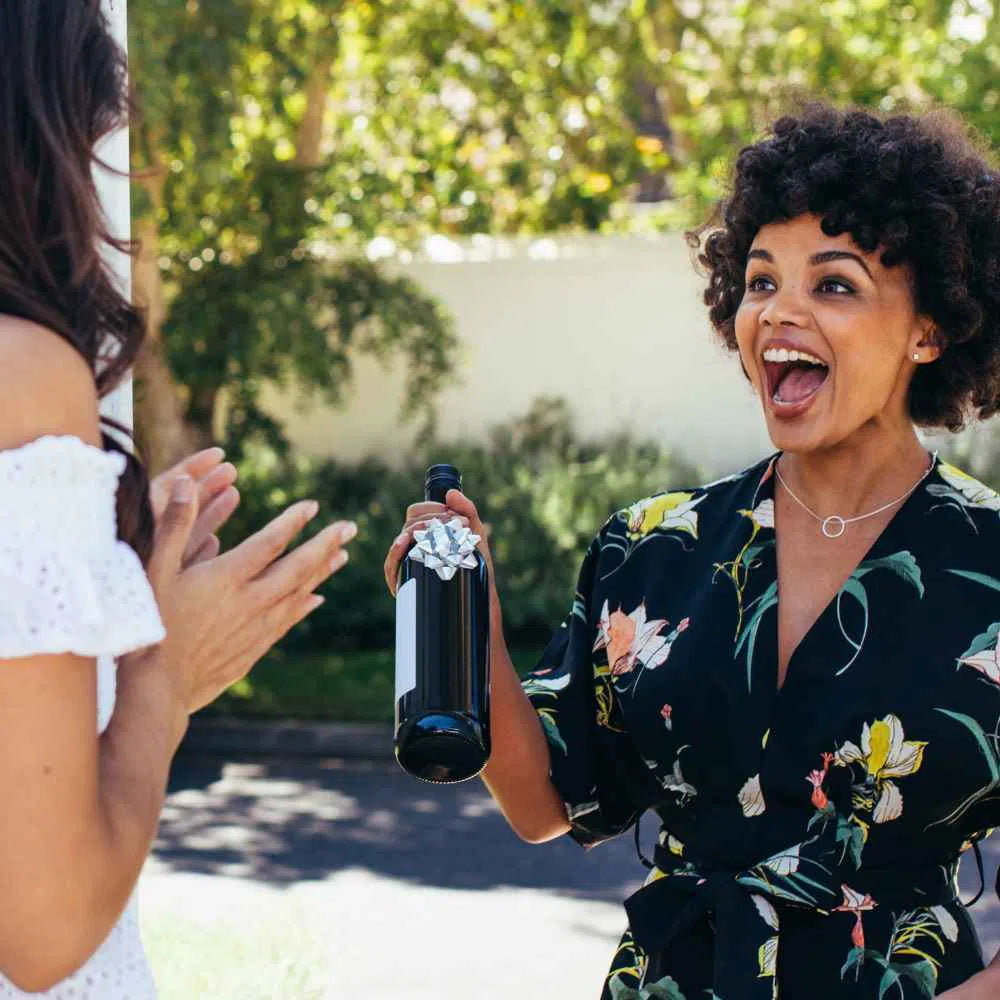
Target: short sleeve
{"points": [[594, 765], [67, 583]]}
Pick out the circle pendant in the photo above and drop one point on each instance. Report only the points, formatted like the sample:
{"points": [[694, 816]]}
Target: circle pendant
{"points": [[834, 527]]}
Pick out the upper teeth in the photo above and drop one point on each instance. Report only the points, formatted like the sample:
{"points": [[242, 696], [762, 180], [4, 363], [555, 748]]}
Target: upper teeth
{"points": [[780, 354]]}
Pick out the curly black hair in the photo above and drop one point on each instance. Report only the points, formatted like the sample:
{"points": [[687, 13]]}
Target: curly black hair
{"points": [[921, 188]]}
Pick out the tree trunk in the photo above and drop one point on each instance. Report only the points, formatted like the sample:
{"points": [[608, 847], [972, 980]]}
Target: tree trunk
{"points": [[310, 136], [163, 432]]}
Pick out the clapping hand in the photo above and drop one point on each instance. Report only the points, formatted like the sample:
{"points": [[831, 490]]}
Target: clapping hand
{"points": [[222, 613], [218, 498]]}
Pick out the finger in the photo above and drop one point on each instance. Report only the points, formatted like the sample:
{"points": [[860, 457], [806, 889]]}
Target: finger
{"points": [[425, 509], [404, 542], [311, 563], [197, 466], [272, 626], [212, 517], [421, 522], [397, 551], [173, 530], [252, 556], [217, 481], [209, 549], [461, 504]]}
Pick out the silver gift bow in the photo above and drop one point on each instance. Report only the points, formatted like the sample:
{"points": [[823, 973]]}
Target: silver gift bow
{"points": [[445, 548]]}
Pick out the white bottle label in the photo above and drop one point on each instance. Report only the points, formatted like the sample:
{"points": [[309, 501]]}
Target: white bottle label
{"points": [[406, 638]]}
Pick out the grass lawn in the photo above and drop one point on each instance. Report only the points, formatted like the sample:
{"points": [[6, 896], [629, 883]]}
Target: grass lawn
{"points": [[346, 687]]}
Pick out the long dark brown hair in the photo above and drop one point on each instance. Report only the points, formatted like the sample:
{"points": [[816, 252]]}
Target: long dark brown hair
{"points": [[63, 87]]}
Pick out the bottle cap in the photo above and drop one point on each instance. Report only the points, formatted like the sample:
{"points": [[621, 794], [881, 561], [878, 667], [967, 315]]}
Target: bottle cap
{"points": [[440, 479]]}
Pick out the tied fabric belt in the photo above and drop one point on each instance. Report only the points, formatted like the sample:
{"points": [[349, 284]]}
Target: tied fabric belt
{"points": [[745, 908]]}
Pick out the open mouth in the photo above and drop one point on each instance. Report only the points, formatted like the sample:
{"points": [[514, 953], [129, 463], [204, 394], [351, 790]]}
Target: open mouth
{"points": [[793, 377]]}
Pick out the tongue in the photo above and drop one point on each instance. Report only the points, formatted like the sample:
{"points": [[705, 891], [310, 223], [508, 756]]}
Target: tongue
{"points": [[800, 383]]}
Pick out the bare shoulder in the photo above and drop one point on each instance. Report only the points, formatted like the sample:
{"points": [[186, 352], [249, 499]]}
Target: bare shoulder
{"points": [[46, 386]]}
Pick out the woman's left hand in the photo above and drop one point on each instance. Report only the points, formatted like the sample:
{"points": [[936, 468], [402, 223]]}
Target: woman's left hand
{"points": [[984, 985], [218, 498]]}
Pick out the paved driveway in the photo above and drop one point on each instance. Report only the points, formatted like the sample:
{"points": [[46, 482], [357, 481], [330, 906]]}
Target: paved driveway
{"points": [[326, 879]]}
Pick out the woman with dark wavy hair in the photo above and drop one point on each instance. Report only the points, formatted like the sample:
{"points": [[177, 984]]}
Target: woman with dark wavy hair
{"points": [[797, 668], [94, 564]]}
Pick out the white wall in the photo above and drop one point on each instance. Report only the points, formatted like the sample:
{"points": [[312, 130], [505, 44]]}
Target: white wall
{"points": [[613, 324]]}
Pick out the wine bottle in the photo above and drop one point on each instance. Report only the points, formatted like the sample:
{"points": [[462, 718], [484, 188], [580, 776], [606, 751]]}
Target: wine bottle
{"points": [[443, 648]]}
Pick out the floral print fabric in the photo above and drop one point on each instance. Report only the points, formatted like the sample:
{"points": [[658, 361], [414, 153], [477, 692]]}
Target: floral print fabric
{"points": [[810, 835]]}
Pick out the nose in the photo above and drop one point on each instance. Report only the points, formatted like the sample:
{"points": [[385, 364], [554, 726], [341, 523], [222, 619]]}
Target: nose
{"points": [[786, 306]]}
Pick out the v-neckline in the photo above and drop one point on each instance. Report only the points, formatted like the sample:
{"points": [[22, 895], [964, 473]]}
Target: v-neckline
{"points": [[766, 492]]}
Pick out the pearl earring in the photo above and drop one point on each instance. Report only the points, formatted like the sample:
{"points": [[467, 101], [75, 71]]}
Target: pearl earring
{"points": [[916, 357]]}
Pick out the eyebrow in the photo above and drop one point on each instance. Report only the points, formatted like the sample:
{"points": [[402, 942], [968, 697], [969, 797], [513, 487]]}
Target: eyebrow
{"points": [[818, 258]]}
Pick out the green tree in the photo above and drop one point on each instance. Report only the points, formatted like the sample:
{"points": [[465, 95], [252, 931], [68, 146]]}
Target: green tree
{"points": [[243, 283], [282, 137]]}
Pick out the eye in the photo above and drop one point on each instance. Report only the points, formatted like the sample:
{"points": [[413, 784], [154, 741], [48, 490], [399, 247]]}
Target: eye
{"points": [[760, 283], [835, 286]]}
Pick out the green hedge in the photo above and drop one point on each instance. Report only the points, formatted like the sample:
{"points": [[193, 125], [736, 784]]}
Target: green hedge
{"points": [[543, 493]]}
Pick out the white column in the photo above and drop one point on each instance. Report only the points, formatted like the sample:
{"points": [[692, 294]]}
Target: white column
{"points": [[115, 198]]}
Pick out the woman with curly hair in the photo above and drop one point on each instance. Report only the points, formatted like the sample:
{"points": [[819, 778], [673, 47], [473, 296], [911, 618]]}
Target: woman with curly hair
{"points": [[797, 667], [94, 564]]}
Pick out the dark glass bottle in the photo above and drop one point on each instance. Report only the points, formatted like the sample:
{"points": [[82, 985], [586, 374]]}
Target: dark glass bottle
{"points": [[442, 661]]}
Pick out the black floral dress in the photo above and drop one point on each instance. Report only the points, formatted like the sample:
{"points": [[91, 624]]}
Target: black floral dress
{"points": [[810, 836]]}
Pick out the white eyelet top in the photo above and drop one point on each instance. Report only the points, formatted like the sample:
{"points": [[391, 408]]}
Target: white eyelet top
{"points": [[69, 585]]}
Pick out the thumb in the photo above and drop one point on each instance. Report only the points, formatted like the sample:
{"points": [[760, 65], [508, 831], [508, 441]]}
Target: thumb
{"points": [[173, 529], [457, 501]]}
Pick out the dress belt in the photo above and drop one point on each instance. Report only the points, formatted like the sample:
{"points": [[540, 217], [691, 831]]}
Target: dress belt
{"points": [[682, 892]]}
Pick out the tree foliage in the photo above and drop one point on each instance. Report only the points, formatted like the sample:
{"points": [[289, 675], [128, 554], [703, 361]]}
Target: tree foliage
{"points": [[290, 134]]}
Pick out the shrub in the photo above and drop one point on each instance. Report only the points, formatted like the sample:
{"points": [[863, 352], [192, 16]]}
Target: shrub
{"points": [[543, 493]]}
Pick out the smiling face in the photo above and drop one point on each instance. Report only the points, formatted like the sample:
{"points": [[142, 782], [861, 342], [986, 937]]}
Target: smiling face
{"points": [[826, 334]]}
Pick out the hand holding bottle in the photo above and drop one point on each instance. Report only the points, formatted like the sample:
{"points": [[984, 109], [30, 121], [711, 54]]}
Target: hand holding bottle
{"points": [[419, 515]]}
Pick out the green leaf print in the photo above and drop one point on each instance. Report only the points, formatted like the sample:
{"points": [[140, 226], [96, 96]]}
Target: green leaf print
{"points": [[923, 974], [552, 733], [982, 642], [765, 602], [664, 989], [889, 978], [855, 959], [901, 563], [989, 753], [856, 589], [620, 990], [992, 762], [851, 837], [986, 581]]}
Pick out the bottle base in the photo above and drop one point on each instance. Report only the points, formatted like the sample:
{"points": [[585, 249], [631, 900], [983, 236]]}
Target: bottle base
{"points": [[440, 754]]}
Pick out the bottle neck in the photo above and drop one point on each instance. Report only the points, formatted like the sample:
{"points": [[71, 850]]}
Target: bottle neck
{"points": [[438, 489]]}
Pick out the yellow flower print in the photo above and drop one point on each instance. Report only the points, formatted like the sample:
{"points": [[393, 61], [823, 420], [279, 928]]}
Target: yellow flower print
{"points": [[976, 494], [767, 954], [767, 958], [668, 512], [885, 755]]}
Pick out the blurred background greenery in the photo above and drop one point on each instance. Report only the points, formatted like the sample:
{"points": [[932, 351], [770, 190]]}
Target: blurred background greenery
{"points": [[279, 138]]}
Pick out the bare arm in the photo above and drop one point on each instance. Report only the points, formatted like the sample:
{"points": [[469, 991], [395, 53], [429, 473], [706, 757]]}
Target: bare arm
{"points": [[517, 774], [78, 814]]}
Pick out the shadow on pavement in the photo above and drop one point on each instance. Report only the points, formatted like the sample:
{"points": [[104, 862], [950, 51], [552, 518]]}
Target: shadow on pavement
{"points": [[281, 821], [284, 821]]}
